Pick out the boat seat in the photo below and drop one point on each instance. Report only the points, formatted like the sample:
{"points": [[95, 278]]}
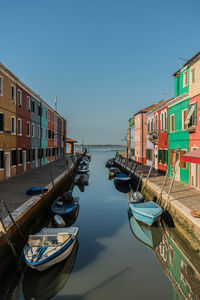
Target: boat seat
{"points": [[62, 237]]}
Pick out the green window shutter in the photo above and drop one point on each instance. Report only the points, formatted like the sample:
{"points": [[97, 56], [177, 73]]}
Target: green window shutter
{"points": [[159, 155], [195, 113]]}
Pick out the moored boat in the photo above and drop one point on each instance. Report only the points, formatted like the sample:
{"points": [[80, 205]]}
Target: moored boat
{"points": [[146, 212], [49, 246], [121, 177], [61, 207], [36, 190]]}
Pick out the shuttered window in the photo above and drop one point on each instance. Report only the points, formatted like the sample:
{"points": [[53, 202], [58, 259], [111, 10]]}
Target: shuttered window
{"points": [[149, 154], [172, 157], [182, 164], [1, 122], [193, 117], [14, 157], [172, 123]]}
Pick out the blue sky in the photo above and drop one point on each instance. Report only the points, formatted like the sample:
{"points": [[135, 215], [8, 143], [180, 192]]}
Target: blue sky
{"points": [[104, 59]]}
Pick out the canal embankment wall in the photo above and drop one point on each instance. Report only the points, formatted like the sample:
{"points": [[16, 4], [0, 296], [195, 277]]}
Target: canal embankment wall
{"points": [[182, 200], [55, 176]]}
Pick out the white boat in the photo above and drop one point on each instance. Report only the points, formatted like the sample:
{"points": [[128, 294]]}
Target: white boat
{"points": [[49, 246]]}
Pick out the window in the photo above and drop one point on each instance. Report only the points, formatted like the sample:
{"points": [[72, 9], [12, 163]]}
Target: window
{"points": [[182, 164], [49, 134], [156, 123], [28, 133], [14, 157], [52, 134], [162, 121], [184, 117], [163, 156], [41, 132], [46, 133], [192, 74], [172, 123], [1, 122], [149, 126], [191, 119], [38, 132], [52, 117], [185, 78], [149, 154], [165, 122], [13, 127], [28, 155], [1, 86], [33, 154], [19, 157], [46, 114], [32, 130], [13, 95], [28, 103], [1, 159], [32, 106], [19, 127], [19, 97]]}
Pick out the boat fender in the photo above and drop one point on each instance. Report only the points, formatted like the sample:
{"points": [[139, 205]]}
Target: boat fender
{"points": [[138, 196], [58, 220]]}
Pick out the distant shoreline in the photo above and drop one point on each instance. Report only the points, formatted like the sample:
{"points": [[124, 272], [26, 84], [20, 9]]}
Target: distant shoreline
{"points": [[122, 146]]}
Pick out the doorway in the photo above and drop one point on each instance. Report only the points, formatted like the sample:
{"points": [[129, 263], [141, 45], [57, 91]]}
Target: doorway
{"points": [[24, 160], [7, 164], [194, 174], [156, 157]]}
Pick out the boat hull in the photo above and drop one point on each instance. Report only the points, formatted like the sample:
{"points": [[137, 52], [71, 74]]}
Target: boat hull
{"points": [[145, 214], [46, 265]]}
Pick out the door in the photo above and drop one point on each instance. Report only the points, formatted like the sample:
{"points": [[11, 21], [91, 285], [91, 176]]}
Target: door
{"points": [[156, 157], [194, 175], [177, 166], [24, 160], [7, 164], [36, 158]]}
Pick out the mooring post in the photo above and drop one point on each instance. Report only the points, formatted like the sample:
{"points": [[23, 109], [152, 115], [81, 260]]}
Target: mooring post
{"points": [[10, 244], [170, 189], [139, 182], [160, 195], [148, 175], [12, 219], [53, 182]]}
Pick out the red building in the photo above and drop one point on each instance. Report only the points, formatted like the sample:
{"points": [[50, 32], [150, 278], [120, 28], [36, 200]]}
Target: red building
{"points": [[163, 136], [23, 131]]}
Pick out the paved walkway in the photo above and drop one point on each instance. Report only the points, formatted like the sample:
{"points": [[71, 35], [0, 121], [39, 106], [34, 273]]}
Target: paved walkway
{"points": [[186, 195], [13, 190]]}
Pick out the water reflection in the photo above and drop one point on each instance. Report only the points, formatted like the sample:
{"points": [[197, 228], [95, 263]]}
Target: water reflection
{"points": [[44, 285], [179, 266], [175, 261], [150, 236], [122, 187]]}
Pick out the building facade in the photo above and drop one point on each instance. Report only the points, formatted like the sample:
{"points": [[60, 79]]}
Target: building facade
{"points": [[31, 132]]}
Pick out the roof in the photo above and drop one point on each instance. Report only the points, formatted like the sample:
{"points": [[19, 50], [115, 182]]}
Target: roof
{"points": [[146, 109], [192, 157], [193, 59], [68, 140]]}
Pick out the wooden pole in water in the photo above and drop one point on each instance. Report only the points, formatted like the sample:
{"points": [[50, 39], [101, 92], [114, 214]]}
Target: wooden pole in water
{"points": [[139, 182], [4, 232], [12, 219], [148, 175], [170, 189], [160, 196], [53, 182]]}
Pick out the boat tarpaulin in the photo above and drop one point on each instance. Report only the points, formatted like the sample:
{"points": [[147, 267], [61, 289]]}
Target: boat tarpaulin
{"points": [[192, 157]]}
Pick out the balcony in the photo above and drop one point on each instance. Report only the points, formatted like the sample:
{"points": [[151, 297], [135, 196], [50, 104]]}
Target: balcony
{"points": [[191, 129], [153, 137]]}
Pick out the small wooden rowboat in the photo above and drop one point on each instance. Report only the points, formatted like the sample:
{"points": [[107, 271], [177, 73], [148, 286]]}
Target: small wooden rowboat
{"points": [[146, 212], [49, 246]]}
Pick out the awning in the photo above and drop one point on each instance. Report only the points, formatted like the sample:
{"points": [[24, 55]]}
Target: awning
{"points": [[192, 157], [187, 121]]}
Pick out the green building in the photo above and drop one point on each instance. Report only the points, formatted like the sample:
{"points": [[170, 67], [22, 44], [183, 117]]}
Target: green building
{"points": [[178, 143]]}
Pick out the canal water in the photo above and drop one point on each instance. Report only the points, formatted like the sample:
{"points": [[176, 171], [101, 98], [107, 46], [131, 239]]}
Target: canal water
{"points": [[116, 257]]}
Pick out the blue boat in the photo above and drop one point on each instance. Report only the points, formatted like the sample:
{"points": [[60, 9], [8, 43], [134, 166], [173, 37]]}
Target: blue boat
{"points": [[146, 212], [35, 190], [121, 177], [149, 236], [62, 208]]}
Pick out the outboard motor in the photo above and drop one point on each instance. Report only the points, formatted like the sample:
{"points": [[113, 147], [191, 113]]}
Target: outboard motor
{"points": [[58, 220], [138, 196]]}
